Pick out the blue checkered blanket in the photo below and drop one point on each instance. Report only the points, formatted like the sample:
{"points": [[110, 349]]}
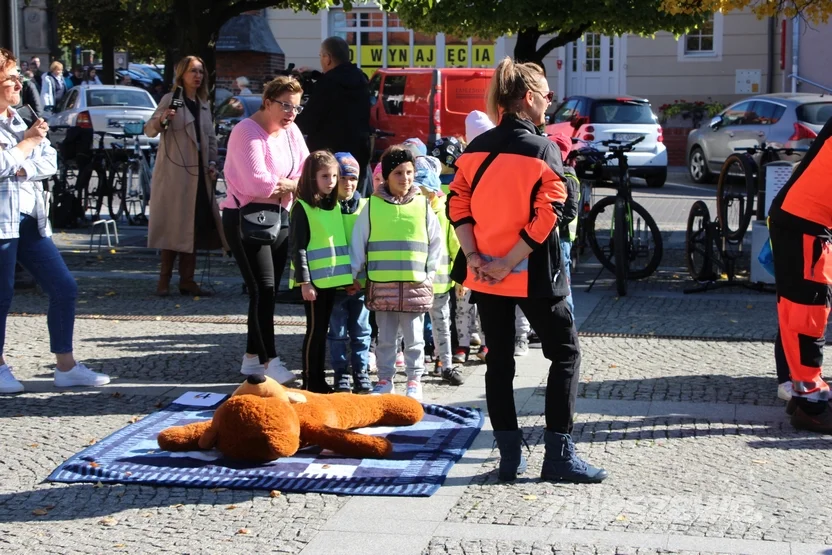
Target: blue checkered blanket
{"points": [[423, 454]]}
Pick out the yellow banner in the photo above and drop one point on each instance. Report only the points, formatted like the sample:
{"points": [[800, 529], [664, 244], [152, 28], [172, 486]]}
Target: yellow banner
{"points": [[374, 57]]}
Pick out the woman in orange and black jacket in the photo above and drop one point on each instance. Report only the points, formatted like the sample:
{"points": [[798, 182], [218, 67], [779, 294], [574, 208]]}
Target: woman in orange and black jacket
{"points": [[506, 198], [800, 224]]}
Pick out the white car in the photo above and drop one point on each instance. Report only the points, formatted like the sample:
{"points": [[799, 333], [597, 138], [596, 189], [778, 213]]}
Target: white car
{"points": [[101, 108], [619, 118]]}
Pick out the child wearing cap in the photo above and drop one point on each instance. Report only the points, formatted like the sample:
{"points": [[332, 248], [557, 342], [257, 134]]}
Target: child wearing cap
{"points": [[350, 320], [397, 240], [427, 178]]}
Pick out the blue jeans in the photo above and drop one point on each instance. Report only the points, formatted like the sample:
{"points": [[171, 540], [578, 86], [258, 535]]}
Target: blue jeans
{"points": [[41, 258], [566, 249], [350, 321]]}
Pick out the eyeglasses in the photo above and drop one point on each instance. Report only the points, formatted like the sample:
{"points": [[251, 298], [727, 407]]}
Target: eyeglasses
{"points": [[289, 108], [15, 79], [549, 96]]}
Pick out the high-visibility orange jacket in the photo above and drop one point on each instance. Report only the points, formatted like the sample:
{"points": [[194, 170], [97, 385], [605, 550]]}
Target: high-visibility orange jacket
{"points": [[510, 185], [805, 203]]}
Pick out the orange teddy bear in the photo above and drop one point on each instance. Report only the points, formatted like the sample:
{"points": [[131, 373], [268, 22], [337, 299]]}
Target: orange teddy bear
{"points": [[263, 421]]}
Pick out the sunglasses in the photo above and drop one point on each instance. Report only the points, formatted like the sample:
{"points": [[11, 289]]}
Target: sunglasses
{"points": [[549, 96], [289, 108]]}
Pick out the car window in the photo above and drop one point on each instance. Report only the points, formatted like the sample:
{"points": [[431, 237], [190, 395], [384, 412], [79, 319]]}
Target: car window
{"points": [[765, 113], [738, 114], [621, 111], [375, 84], [71, 101], [566, 111], [392, 96], [252, 103], [817, 113], [117, 97], [231, 108]]}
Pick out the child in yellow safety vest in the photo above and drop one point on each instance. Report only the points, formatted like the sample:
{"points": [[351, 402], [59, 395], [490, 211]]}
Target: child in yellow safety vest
{"points": [[320, 259], [350, 320], [427, 178], [397, 240]]}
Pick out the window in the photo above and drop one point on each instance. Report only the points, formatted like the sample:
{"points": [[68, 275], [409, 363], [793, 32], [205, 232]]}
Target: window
{"points": [[738, 114], [567, 110], [766, 113], [68, 102], [592, 48], [392, 96], [615, 111], [375, 84], [704, 43], [815, 114], [110, 97]]}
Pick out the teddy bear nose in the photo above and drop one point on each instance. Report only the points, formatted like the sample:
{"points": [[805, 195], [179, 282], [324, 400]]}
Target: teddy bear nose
{"points": [[256, 379]]}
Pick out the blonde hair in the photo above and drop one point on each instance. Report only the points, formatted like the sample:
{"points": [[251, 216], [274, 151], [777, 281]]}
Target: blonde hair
{"points": [[509, 85], [179, 76], [279, 86], [56, 65]]}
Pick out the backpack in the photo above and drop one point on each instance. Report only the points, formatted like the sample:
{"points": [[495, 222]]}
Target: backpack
{"points": [[66, 211]]}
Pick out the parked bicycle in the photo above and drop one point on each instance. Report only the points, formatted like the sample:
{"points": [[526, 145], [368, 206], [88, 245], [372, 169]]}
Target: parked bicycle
{"points": [[588, 162], [623, 236], [130, 177], [740, 181]]}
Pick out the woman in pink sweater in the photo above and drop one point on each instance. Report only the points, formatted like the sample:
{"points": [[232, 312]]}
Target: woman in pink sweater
{"points": [[263, 163]]}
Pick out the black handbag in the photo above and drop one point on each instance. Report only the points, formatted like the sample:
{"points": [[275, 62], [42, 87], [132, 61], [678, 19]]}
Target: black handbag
{"points": [[260, 223]]}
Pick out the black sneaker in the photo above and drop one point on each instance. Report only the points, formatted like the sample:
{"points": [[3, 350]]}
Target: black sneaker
{"points": [[818, 419], [342, 382], [361, 382], [453, 376]]}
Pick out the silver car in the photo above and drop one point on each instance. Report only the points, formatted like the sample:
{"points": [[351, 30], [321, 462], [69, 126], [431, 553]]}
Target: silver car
{"points": [[784, 120], [101, 108]]}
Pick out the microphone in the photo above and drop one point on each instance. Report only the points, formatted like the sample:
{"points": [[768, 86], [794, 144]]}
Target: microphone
{"points": [[175, 103]]}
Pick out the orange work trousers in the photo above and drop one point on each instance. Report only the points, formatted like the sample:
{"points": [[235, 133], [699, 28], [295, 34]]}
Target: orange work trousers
{"points": [[803, 271]]}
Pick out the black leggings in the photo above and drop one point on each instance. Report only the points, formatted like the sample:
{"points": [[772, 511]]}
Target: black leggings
{"points": [[318, 313], [552, 320], [261, 267]]}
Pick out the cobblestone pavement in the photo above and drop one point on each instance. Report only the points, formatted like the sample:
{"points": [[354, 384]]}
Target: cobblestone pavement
{"points": [[441, 546]]}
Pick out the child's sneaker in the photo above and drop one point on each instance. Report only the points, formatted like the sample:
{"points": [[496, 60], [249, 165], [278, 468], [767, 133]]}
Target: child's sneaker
{"points": [[482, 353], [80, 376], [371, 361], [428, 358], [476, 341], [437, 369], [342, 382], [384, 386], [414, 390], [8, 383], [277, 371], [460, 355], [361, 382], [453, 376], [400, 359], [521, 346], [785, 391], [251, 366]]}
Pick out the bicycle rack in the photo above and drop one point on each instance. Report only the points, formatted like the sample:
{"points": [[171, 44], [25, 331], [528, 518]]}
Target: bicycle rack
{"points": [[106, 229]]}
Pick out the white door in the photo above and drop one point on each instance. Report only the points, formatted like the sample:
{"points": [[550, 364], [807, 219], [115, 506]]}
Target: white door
{"points": [[593, 65]]}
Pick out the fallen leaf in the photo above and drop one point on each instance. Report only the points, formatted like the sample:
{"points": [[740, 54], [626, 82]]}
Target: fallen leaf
{"points": [[33, 445], [177, 306], [529, 497], [111, 293], [92, 441], [147, 515], [619, 518], [675, 276], [613, 366], [759, 461], [108, 521], [82, 302], [196, 299], [217, 490], [274, 493], [94, 464], [119, 545], [98, 484], [733, 321], [231, 507], [244, 531], [134, 419], [178, 506], [749, 307], [40, 512], [112, 251], [158, 318], [325, 466]]}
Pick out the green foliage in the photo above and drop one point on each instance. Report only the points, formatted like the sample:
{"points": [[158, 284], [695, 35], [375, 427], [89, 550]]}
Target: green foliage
{"points": [[696, 110]]}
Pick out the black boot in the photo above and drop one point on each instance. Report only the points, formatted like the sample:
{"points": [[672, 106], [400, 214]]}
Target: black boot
{"points": [[342, 382], [512, 461], [562, 464], [361, 382]]}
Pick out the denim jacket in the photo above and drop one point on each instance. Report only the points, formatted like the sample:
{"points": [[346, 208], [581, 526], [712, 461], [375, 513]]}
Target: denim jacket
{"points": [[41, 164]]}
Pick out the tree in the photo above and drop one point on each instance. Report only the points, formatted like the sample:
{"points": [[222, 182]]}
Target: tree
{"points": [[530, 20], [816, 11]]}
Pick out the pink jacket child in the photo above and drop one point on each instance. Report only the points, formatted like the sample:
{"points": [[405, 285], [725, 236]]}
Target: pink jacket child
{"points": [[255, 162]]}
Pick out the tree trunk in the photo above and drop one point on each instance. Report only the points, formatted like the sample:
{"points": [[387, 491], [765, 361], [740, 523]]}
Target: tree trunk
{"points": [[108, 64], [196, 33], [526, 48]]}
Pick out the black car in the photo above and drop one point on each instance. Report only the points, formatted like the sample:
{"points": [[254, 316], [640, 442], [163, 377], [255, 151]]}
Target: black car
{"points": [[230, 111]]}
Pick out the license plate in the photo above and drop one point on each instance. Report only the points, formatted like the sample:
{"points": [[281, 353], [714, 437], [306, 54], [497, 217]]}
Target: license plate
{"points": [[625, 137]]}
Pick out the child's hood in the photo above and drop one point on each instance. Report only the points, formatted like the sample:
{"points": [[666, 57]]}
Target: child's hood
{"points": [[383, 192]]}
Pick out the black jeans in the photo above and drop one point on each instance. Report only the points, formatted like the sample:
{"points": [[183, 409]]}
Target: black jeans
{"points": [[261, 267], [318, 313], [553, 322]]}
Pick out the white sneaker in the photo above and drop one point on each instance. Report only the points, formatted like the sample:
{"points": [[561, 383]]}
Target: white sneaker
{"points": [[383, 386], [251, 366], [414, 390], [371, 361], [476, 340], [785, 391], [400, 359], [8, 384], [278, 371], [80, 375]]}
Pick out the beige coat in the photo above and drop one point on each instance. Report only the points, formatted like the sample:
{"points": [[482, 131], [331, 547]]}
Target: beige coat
{"points": [[176, 177]]}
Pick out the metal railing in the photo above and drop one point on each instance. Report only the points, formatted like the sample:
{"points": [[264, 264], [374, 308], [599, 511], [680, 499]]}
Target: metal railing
{"points": [[809, 82]]}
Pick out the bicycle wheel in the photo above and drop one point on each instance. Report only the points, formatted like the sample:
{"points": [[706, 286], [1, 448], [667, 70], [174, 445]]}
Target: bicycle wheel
{"points": [[698, 243], [646, 245], [92, 190], [621, 245], [735, 193], [133, 198], [115, 194]]}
